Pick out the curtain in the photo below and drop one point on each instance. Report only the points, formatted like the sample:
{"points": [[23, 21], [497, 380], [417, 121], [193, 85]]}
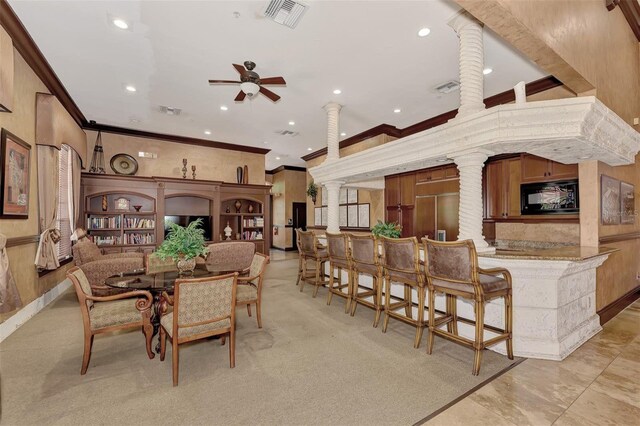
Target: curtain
{"points": [[74, 169], [46, 256], [9, 296]]}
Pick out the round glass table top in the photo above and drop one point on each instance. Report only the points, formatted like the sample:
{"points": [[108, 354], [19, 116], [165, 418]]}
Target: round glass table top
{"points": [[159, 281]]}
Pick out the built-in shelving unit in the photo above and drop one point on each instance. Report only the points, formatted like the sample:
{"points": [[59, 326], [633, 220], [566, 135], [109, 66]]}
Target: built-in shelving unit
{"points": [[246, 219]]}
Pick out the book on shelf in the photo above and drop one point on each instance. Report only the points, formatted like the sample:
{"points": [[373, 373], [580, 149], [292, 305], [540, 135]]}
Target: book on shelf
{"points": [[105, 240], [254, 222], [136, 222], [134, 238], [252, 235], [103, 222]]}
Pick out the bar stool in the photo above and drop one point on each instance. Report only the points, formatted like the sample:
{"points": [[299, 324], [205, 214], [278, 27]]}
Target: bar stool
{"points": [[338, 249], [401, 264], [452, 269], [312, 250], [366, 260]]}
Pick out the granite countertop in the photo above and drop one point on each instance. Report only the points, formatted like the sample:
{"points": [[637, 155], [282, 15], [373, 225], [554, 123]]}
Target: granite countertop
{"points": [[571, 253]]}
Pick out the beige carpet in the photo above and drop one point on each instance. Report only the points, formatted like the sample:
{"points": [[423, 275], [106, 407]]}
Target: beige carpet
{"points": [[310, 364]]}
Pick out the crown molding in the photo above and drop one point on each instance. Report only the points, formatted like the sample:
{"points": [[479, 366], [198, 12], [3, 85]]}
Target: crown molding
{"points": [[290, 168]]}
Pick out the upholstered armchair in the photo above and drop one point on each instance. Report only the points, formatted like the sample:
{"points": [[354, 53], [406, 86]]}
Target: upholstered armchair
{"points": [[111, 313], [97, 266], [250, 287], [230, 256]]}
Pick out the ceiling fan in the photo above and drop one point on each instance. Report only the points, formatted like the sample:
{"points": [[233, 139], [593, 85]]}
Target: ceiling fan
{"points": [[251, 83]]}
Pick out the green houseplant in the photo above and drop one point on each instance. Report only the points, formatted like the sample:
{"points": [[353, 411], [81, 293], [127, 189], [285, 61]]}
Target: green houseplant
{"points": [[184, 244], [387, 229], [312, 191]]}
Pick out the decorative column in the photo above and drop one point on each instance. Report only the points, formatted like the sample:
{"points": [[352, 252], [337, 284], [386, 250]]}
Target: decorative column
{"points": [[333, 205], [333, 130], [470, 211], [471, 53]]}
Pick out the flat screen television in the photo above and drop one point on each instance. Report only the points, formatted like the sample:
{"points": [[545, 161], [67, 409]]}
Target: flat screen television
{"points": [[186, 220]]}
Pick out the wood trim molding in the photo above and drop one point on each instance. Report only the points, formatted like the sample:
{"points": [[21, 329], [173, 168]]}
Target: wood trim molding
{"points": [[173, 138], [25, 45], [631, 11], [614, 308], [545, 219], [21, 241], [281, 168], [505, 97], [620, 237]]}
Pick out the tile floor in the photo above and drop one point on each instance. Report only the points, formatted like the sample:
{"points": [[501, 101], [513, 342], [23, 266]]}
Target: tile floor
{"points": [[598, 384]]}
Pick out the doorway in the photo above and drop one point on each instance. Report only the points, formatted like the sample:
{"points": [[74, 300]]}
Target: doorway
{"points": [[299, 220]]}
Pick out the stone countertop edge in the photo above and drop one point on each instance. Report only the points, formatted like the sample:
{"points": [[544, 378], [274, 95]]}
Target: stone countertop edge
{"points": [[573, 253]]}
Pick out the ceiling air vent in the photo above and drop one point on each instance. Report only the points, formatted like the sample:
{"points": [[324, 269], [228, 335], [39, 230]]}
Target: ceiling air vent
{"points": [[170, 110], [448, 87], [285, 12], [286, 133]]}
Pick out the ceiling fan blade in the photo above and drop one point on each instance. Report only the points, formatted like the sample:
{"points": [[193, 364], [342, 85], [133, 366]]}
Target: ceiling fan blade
{"points": [[240, 97], [223, 81], [272, 80], [240, 69], [269, 94]]}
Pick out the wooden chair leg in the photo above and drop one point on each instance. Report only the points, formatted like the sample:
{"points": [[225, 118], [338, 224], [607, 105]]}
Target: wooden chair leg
{"points": [[420, 323], [163, 343], [387, 287], [354, 302], [432, 319], [147, 330], [303, 275], [232, 349], [408, 308], [508, 300], [317, 281], [454, 314], [347, 305], [86, 356], [479, 341], [249, 308], [223, 339], [331, 283], [175, 359], [300, 269], [259, 313], [377, 301]]}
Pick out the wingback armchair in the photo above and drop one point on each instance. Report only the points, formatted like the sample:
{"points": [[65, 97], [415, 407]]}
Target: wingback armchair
{"points": [[97, 266]]}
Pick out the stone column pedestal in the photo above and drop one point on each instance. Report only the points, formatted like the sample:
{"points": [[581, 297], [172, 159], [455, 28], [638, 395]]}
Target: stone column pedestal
{"points": [[333, 205]]}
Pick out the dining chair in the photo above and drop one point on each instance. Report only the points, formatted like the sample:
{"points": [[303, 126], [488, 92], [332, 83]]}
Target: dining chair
{"points": [[401, 265], [365, 259], [313, 251], [250, 288], [154, 264], [104, 314], [338, 250], [202, 307], [452, 269], [230, 256]]}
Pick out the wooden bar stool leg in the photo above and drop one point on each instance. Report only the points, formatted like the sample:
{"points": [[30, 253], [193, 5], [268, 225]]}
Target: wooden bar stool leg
{"points": [[448, 310], [317, 282], [454, 314], [420, 323], [356, 286], [509, 323], [387, 298], [408, 294], [347, 306], [377, 282], [479, 341], [432, 319], [331, 283], [300, 269], [303, 274]]}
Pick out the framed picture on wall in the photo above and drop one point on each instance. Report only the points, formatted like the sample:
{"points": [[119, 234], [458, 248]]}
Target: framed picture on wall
{"points": [[609, 200], [627, 203], [343, 196], [343, 216], [352, 216], [325, 217], [317, 218], [323, 194], [363, 216], [352, 196], [15, 161]]}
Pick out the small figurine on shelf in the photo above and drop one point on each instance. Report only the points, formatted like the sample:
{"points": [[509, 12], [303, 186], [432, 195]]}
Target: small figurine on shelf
{"points": [[228, 210], [193, 171], [238, 205], [184, 168], [105, 204], [137, 208], [227, 232], [250, 208]]}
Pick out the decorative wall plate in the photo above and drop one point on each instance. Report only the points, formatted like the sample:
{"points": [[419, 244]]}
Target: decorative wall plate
{"points": [[124, 164]]}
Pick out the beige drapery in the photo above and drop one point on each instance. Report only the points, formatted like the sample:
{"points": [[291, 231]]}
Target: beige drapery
{"points": [[9, 296], [46, 256], [75, 169], [55, 126]]}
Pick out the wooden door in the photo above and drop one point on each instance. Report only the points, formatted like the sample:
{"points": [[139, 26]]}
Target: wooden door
{"points": [[563, 171], [447, 207], [425, 216], [495, 188], [534, 169], [408, 189], [392, 191], [407, 221], [513, 172]]}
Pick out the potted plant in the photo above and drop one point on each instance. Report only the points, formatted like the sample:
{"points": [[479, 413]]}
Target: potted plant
{"points": [[312, 191], [387, 229], [184, 245]]}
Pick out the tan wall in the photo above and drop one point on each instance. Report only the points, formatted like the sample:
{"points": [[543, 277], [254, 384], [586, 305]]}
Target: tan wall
{"points": [[22, 123], [211, 163], [291, 186], [568, 233]]}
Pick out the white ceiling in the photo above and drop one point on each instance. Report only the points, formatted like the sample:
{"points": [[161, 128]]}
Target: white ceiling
{"points": [[370, 50]]}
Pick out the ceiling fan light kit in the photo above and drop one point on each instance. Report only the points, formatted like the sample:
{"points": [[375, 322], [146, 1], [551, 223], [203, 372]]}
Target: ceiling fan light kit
{"points": [[249, 88], [251, 83]]}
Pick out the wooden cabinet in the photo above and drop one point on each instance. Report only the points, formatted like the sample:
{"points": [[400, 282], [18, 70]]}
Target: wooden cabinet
{"points": [[502, 188], [537, 169], [400, 201], [437, 173]]}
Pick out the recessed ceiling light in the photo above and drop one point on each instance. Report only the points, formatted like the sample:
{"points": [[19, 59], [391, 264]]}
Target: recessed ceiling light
{"points": [[277, 158], [292, 123], [207, 132], [120, 24], [130, 88], [584, 157], [424, 32], [487, 71], [343, 134], [224, 107], [309, 149], [397, 110], [337, 92]]}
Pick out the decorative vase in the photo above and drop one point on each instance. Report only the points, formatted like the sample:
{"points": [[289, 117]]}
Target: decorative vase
{"points": [[239, 174], [186, 266], [184, 168], [238, 205], [250, 208], [245, 175], [105, 203], [227, 232], [228, 210]]}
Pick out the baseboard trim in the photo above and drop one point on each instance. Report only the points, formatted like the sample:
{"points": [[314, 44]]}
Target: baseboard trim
{"points": [[25, 314], [283, 249], [614, 308]]}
